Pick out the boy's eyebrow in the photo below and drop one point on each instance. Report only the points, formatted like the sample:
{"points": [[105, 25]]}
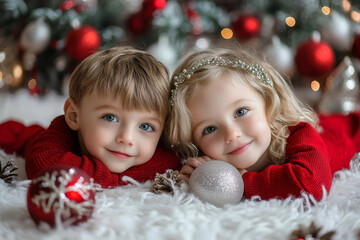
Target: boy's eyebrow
{"points": [[104, 106], [110, 106]]}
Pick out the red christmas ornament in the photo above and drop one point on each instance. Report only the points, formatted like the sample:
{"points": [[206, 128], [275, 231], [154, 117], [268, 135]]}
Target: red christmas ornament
{"points": [[356, 46], [314, 58], [195, 19], [35, 91], [139, 23], [150, 6], [66, 5], [61, 193], [82, 42], [246, 26]]}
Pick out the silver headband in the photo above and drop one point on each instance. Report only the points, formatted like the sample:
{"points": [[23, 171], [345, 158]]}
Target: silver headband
{"points": [[257, 70]]}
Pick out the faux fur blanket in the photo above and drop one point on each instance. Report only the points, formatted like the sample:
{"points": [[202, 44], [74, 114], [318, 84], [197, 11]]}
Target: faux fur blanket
{"points": [[134, 212]]}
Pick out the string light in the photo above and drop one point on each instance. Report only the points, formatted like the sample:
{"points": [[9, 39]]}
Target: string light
{"points": [[355, 16], [315, 86], [2, 56], [2, 81], [17, 75], [325, 10], [227, 33], [290, 21], [202, 43], [17, 71], [32, 83], [346, 5]]}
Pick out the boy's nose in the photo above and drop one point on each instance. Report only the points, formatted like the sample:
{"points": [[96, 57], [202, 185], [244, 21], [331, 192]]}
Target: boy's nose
{"points": [[232, 133], [125, 136]]}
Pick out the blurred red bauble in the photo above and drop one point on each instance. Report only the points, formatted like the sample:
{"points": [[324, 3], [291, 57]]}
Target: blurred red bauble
{"points": [[66, 5], [138, 23], [61, 193], [356, 46], [314, 58], [82, 42], [195, 20], [150, 6], [246, 26]]}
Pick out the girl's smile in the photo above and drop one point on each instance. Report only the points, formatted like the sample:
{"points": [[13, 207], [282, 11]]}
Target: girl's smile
{"points": [[120, 155], [240, 149]]}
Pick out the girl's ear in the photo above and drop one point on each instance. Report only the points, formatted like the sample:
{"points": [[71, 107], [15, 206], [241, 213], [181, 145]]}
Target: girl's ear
{"points": [[71, 114]]}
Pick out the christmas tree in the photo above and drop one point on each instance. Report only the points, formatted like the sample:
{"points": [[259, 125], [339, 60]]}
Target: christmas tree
{"points": [[42, 41]]}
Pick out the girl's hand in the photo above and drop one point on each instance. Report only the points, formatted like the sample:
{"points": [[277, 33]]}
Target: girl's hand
{"points": [[190, 166], [242, 171]]}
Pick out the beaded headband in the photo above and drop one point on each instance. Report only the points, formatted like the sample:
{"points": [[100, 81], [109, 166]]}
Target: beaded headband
{"points": [[257, 70]]}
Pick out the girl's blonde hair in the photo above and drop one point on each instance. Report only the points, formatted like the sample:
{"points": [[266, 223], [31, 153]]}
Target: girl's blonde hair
{"points": [[283, 109], [137, 78]]}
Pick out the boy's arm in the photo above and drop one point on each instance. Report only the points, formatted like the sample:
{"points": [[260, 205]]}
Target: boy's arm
{"points": [[14, 136], [307, 169], [58, 145]]}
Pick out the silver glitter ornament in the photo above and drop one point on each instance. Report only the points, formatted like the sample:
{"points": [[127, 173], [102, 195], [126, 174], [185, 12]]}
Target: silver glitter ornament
{"points": [[217, 182], [36, 36]]}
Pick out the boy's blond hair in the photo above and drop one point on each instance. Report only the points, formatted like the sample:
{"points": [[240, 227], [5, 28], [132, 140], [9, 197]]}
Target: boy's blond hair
{"points": [[137, 78], [283, 109]]}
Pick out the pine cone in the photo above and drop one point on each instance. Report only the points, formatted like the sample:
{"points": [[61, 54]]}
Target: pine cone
{"points": [[311, 232], [165, 183], [6, 172]]}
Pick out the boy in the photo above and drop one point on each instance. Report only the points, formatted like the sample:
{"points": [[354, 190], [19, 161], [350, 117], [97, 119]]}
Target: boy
{"points": [[112, 124]]}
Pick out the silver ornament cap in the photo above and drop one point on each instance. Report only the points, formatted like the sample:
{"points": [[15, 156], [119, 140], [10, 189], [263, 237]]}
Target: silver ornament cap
{"points": [[217, 182]]}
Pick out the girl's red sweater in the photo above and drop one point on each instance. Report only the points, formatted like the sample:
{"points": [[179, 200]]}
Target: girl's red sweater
{"points": [[312, 158]]}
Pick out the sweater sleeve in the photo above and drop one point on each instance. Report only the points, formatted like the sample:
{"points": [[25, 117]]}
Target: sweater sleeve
{"points": [[58, 145], [307, 169], [15, 135]]}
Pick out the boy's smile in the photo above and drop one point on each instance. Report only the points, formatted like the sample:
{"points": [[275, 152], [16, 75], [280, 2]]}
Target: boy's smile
{"points": [[119, 138]]}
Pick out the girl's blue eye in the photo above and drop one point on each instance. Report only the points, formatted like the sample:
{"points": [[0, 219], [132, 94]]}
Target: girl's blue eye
{"points": [[209, 130], [110, 118], [146, 127], [240, 112]]}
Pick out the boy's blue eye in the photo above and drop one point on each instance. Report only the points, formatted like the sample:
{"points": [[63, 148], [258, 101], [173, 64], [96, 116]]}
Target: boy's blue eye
{"points": [[146, 127], [240, 112], [110, 118], [209, 130]]}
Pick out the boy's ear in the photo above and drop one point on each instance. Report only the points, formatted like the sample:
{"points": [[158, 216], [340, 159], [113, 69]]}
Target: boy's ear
{"points": [[71, 114]]}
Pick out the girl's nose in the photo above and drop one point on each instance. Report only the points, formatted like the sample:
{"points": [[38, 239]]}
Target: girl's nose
{"points": [[232, 133], [125, 136]]}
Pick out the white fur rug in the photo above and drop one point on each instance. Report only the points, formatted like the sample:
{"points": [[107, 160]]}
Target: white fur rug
{"points": [[134, 212]]}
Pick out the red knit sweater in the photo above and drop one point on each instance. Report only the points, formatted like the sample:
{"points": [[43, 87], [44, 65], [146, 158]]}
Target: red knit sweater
{"points": [[59, 145], [312, 158]]}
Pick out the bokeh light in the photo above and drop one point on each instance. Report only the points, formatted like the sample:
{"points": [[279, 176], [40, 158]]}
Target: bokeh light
{"points": [[227, 33]]}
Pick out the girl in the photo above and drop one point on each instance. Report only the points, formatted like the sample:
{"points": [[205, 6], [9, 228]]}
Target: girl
{"points": [[231, 106]]}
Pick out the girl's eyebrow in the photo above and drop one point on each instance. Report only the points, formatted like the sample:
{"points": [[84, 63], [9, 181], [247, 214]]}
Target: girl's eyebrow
{"points": [[232, 105], [200, 123]]}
